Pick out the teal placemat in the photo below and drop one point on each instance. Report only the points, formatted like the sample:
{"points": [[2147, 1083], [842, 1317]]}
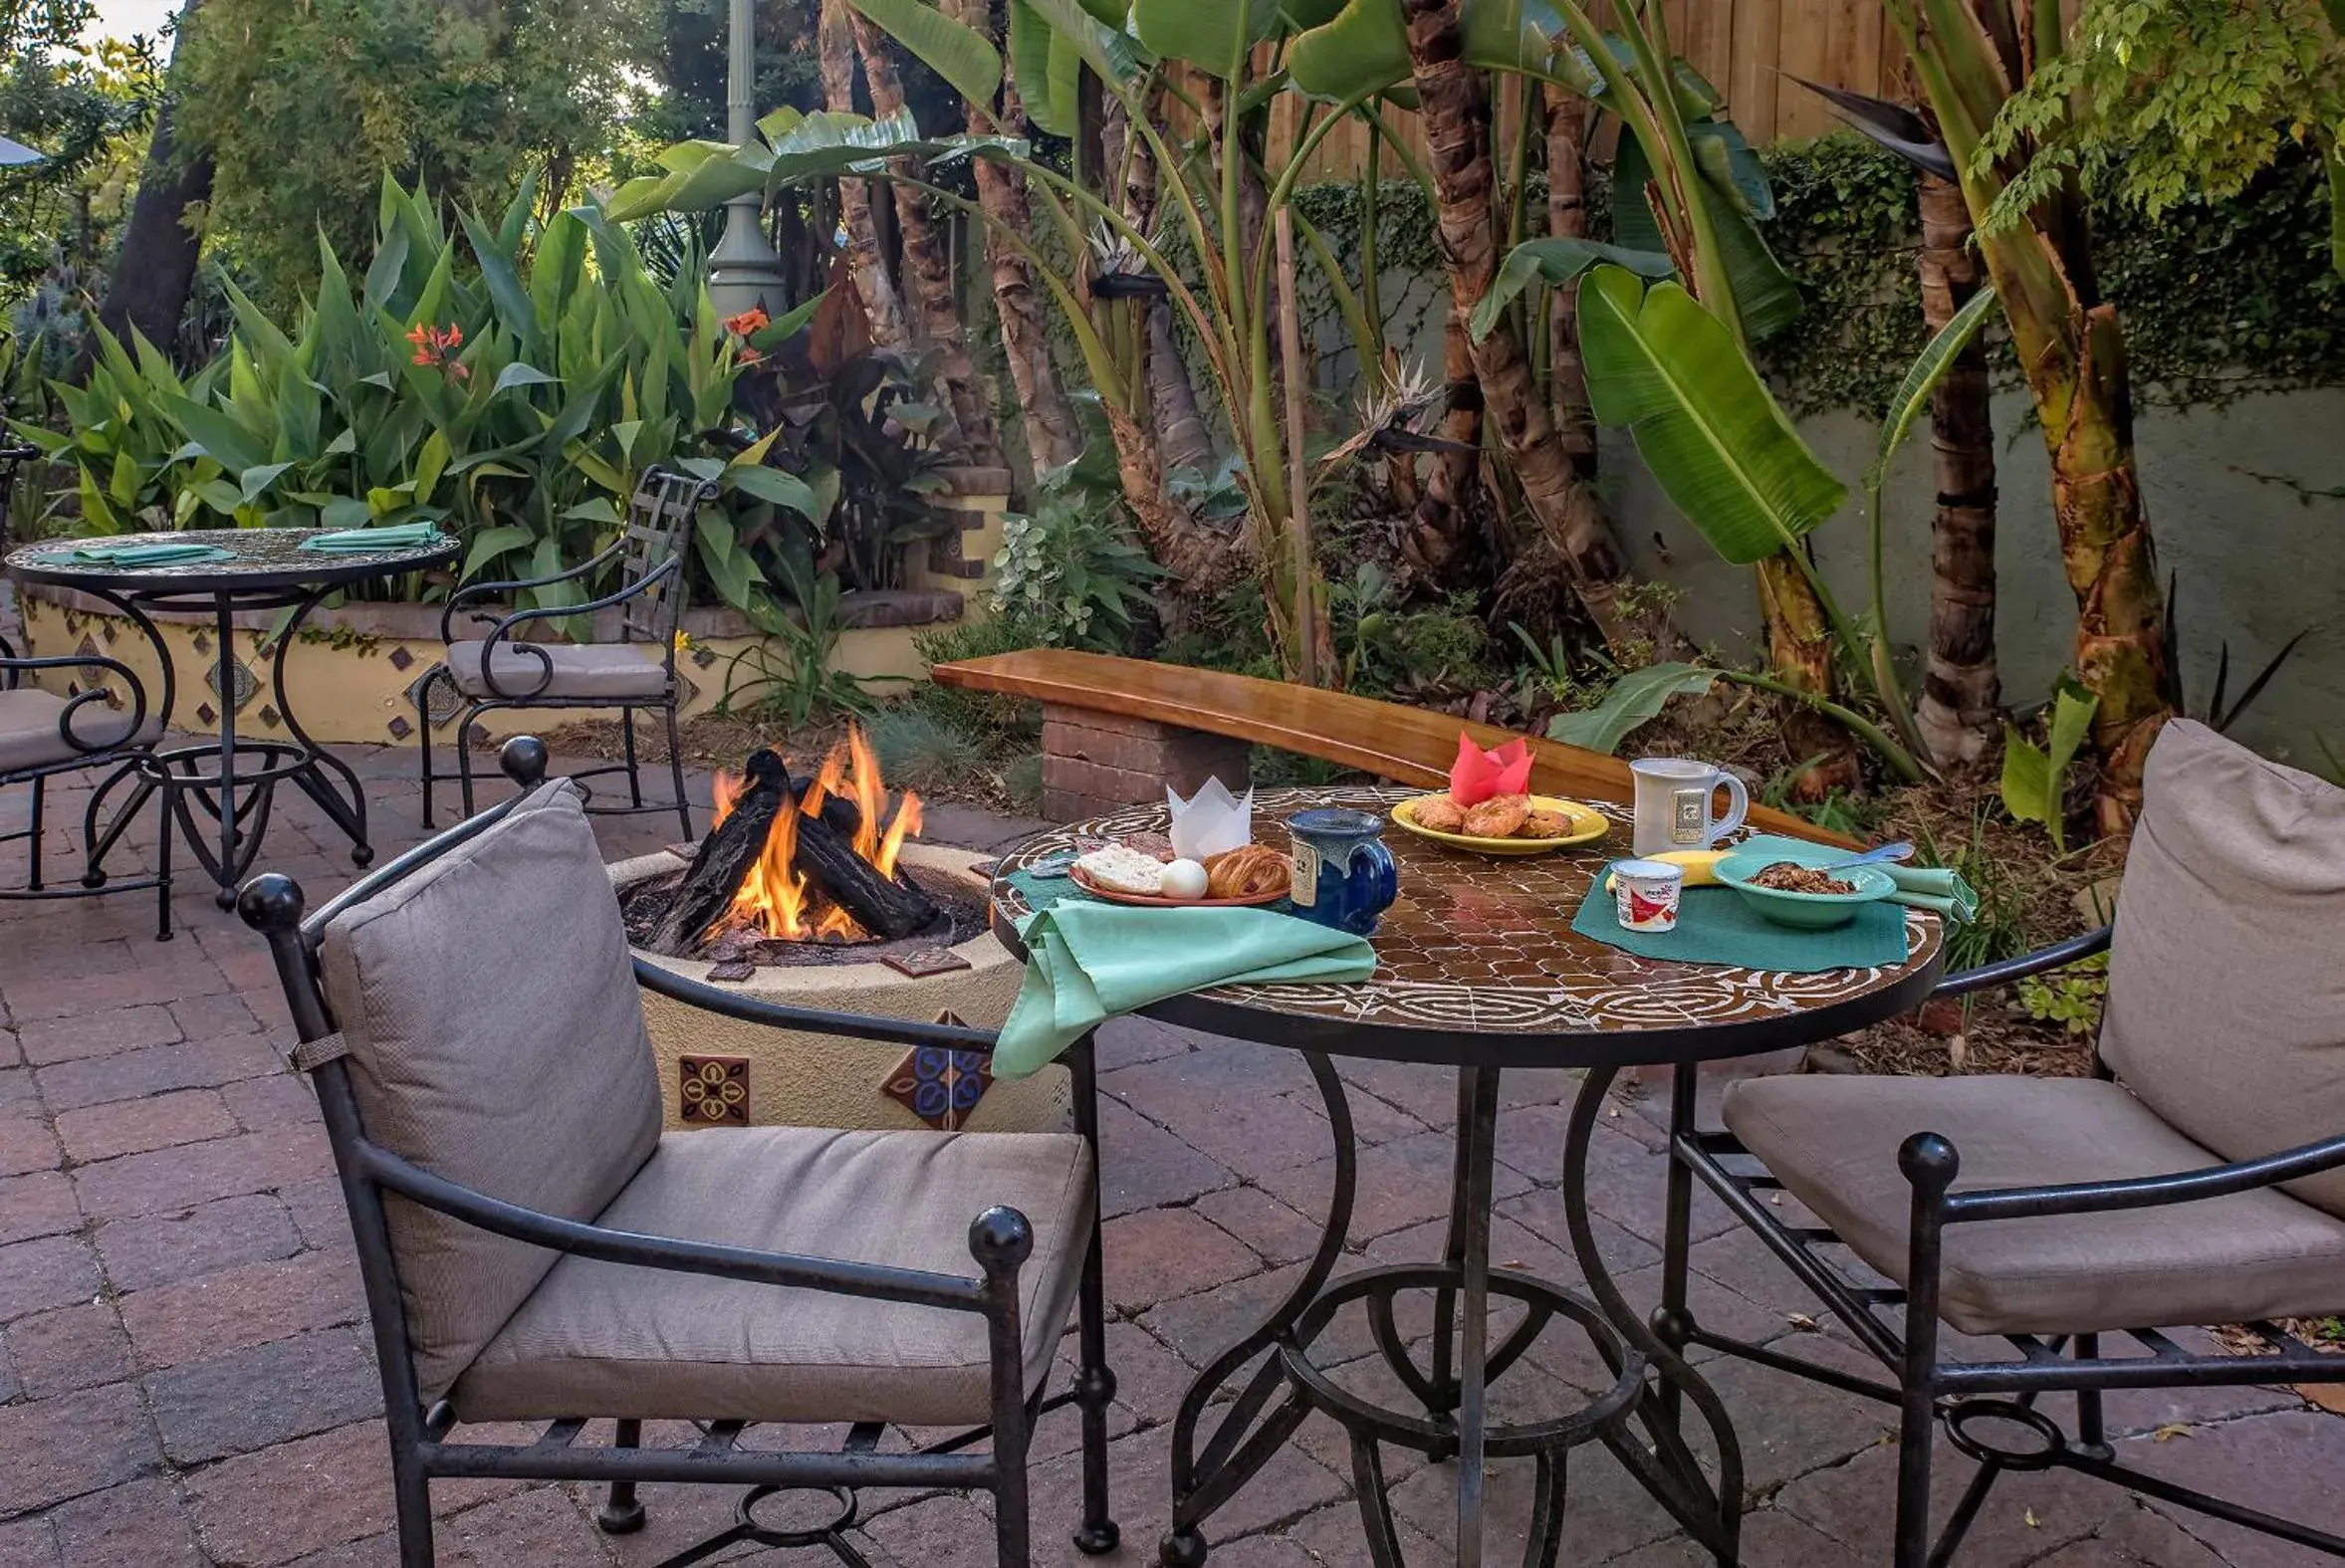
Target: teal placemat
{"points": [[1041, 892], [1714, 926], [134, 556]]}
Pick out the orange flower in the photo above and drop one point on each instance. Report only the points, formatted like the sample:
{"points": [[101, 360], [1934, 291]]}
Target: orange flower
{"points": [[419, 335], [749, 323]]}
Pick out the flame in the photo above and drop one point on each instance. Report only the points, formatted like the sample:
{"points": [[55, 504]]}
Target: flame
{"points": [[775, 898]]}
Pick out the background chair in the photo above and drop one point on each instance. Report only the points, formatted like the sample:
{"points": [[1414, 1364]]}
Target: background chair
{"points": [[534, 1248], [44, 737], [2197, 1177], [500, 670]]}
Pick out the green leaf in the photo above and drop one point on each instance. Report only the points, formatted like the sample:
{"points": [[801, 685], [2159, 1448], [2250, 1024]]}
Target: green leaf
{"points": [[490, 542], [771, 484], [1635, 699], [224, 440], [1031, 41], [1215, 36], [1559, 262], [515, 311], [1764, 294], [430, 463], [345, 512], [522, 373], [1705, 425], [254, 481], [1922, 379], [2034, 778], [964, 57], [1363, 51], [787, 326]]}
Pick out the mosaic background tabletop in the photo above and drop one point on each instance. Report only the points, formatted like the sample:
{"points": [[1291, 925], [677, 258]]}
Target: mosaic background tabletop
{"points": [[1479, 942], [271, 553]]}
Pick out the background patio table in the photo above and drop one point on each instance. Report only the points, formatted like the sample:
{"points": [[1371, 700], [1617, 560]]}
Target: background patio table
{"points": [[265, 570], [1479, 970]]}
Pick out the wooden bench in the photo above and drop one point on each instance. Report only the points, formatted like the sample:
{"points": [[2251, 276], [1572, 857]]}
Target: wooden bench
{"points": [[1116, 730]]}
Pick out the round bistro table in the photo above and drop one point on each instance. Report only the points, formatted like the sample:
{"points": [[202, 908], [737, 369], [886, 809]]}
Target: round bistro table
{"points": [[1479, 970], [233, 780]]}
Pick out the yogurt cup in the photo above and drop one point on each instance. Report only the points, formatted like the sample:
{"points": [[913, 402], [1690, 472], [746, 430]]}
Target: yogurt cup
{"points": [[1646, 894]]}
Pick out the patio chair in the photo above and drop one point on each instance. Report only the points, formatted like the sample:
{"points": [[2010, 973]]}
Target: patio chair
{"points": [[499, 671], [2197, 1177], [44, 737], [535, 1250]]}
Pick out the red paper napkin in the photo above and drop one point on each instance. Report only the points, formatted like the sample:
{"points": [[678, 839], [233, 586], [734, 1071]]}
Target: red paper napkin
{"points": [[1477, 776]]}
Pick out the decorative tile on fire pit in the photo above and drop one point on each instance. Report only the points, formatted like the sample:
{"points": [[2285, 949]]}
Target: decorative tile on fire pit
{"points": [[921, 963], [940, 1086], [713, 1091]]}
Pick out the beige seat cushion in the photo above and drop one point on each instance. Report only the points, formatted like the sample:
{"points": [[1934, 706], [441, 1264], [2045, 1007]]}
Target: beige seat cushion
{"points": [[495, 1039], [2227, 974], [609, 670], [29, 735], [609, 1339], [1833, 1142]]}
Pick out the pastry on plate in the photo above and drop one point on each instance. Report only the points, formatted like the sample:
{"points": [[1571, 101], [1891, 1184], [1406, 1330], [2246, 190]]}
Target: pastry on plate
{"points": [[1252, 871], [1498, 816], [1544, 825], [1438, 812], [1123, 869]]}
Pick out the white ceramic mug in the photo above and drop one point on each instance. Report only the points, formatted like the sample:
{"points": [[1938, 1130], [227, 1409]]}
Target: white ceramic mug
{"points": [[1676, 800]]}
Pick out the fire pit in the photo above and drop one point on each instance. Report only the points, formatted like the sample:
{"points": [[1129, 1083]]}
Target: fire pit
{"points": [[814, 890]]}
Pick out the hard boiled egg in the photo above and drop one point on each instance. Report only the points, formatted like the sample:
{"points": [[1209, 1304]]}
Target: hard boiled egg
{"points": [[1183, 879]]}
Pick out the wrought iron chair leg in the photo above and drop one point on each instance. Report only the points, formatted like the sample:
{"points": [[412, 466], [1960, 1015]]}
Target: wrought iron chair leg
{"points": [[33, 844], [162, 859], [676, 773], [1095, 1380], [412, 1493], [2091, 1431], [620, 1513], [1929, 1164], [626, 725], [422, 702], [464, 727]]}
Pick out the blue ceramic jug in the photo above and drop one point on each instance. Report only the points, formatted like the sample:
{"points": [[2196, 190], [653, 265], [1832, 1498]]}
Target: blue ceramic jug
{"points": [[1343, 875]]}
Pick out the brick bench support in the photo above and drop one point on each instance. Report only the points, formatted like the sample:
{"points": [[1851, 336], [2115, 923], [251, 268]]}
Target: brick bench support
{"points": [[1094, 763]]}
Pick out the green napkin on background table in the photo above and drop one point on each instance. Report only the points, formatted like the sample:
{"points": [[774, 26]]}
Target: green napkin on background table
{"points": [[367, 541], [154, 552], [1088, 961], [1937, 889]]}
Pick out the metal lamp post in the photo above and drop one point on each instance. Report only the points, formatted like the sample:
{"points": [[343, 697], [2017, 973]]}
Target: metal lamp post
{"points": [[744, 271]]}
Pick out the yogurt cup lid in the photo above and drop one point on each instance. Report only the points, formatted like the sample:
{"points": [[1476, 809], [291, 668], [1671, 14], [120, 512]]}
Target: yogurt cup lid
{"points": [[1650, 870]]}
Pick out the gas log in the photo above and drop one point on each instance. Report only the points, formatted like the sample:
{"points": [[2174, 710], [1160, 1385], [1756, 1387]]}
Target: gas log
{"points": [[824, 853]]}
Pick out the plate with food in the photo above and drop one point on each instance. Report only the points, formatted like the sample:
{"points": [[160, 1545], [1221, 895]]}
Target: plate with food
{"points": [[1129, 873], [1504, 824], [1792, 887]]}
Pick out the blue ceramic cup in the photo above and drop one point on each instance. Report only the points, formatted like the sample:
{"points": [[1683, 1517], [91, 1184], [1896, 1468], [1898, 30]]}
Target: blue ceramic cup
{"points": [[1343, 875]]}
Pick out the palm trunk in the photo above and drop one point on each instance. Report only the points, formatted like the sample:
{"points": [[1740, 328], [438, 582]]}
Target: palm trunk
{"points": [[928, 268], [867, 263], [1568, 382], [2072, 351], [1961, 693], [1800, 645], [1199, 561], [1454, 100], [1181, 433], [1440, 529], [1052, 435]]}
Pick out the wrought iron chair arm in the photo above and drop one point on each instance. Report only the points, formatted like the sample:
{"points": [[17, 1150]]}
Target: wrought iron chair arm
{"points": [[2004, 970], [813, 1020], [478, 591], [502, 632], [2145, 1192], [836, 1277], [12, 667]]}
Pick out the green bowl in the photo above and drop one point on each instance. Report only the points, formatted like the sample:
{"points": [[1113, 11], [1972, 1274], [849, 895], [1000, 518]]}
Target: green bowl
{"points": [[1806, 911]]}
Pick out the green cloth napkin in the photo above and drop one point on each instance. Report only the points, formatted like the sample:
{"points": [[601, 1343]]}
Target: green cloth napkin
{"points": [[1087, 962], [367, 541], [1938, 889], [160, 554], [1716, 925]]}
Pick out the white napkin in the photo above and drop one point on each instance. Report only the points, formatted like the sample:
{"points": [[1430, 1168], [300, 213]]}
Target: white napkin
{"points": [[1211, 821]]}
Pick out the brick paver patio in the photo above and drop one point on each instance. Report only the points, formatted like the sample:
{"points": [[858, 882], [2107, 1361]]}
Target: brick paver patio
{"points": [[185, 1374]]}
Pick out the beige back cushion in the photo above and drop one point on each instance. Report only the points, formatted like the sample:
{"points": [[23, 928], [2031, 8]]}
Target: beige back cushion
{"points": [[495, 1039], [2227, 976]]}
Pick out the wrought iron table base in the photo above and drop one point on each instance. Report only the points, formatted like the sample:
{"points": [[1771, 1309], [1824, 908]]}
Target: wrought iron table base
{"points": [[1651, 1380]]}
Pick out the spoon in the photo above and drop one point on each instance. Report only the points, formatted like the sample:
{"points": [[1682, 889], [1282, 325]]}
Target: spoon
{"points": [[1897, 851]]}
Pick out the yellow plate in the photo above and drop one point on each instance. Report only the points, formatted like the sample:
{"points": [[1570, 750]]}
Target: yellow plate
{"points": [[1587, 825]]}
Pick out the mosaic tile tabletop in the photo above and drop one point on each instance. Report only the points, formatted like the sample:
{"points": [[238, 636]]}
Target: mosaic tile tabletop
{"points": [[261, 558], [1483, 944]]}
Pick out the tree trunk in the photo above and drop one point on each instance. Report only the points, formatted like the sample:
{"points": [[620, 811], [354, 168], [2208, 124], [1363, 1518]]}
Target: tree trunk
{"points": [[1199, 561], [1439, 528], [928, 268], [866, 261], [1181, 433], [1568, 219], [1961, 693], [148, 291], [1455, 103], [1799, 653], [1052, 435]]}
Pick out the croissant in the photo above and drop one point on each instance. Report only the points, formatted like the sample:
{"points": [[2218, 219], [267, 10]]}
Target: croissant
{"points": [[1248, 872]]}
